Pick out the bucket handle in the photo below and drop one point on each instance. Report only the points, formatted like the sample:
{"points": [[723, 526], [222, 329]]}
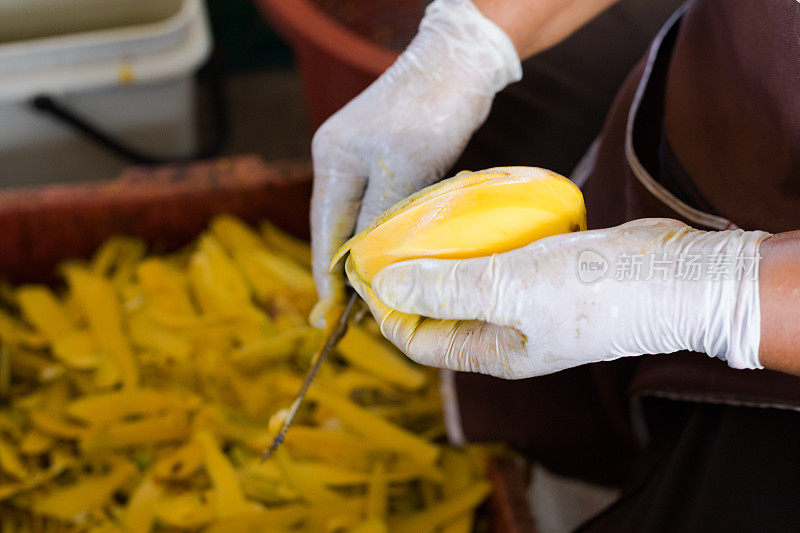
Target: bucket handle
{"points": [[209, 75]]}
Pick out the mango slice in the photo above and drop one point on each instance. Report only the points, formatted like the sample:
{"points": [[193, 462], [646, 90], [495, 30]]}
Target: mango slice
{"points": [[363, 350], [473, 214], [76, 500], [137, 399]]}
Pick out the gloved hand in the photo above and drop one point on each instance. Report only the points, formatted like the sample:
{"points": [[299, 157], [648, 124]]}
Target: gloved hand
{"points": [[405, 130], [649, 286]]}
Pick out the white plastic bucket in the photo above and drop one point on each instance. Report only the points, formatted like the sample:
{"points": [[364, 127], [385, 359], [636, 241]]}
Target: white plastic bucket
{"points": [[127, 72]]}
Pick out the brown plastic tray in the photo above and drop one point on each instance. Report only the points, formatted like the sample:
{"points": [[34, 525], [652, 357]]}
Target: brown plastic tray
{"points": [[168, 206]]}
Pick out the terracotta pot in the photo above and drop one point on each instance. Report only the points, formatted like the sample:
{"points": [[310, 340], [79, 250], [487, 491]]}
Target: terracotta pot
{"points": [[335, 63]]}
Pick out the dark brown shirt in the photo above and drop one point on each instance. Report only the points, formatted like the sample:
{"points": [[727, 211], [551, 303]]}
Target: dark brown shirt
{"points": [[732, 108]]}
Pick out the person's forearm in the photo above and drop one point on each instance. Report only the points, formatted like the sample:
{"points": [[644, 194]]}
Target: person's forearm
{"points": [[536, 25], [779, 293]]}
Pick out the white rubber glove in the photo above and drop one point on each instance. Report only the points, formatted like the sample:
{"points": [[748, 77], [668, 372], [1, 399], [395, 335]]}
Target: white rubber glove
{"points": [[405, 130], [577, 298]]}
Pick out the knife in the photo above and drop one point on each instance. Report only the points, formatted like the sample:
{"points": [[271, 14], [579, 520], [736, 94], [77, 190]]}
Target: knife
{"points": [[332, 338]]}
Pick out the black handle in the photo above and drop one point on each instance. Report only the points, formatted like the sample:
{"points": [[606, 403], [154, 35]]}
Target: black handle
{"points": [[209, 76]]}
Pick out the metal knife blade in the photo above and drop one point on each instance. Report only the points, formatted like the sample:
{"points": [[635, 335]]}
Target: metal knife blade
{"points": [[331, 339]]}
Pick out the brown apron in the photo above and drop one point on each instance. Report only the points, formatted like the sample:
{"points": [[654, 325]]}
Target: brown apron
{"points": [[706, 129]]}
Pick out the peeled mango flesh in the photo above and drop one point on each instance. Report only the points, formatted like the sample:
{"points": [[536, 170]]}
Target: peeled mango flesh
{"points": [[473, 214]]}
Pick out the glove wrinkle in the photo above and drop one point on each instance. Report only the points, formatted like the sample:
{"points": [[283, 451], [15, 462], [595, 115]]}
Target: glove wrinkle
{"points": [[405, 130], [527, 312]]}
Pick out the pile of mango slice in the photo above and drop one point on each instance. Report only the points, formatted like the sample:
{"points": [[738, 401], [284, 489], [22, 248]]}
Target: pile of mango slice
{"points": [[140, 396]]}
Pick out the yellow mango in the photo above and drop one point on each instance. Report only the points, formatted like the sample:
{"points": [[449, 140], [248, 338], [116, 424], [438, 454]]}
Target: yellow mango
{"points": [[75, 501], [14, 332], [100, 305], [145, 333], [77, 349], [288, 245], [181, 463], [117, 254], [456, 464], [31, 365], [106, 407], [184, 511], [376, 429], [312, 489], [41, 308], [60, 462], [207, 344], [473, 214], [329, 474], [56, 425], [274, 275], [229, 499], [10, 462], [376, 356], [127, 434], [351, 381], [234, 234], [10, 425], [331, 445], [372, 525], [165, 287], [277, 519], [441, 513], [377, 493], [139, 514], [36, 443], [259, 353]]}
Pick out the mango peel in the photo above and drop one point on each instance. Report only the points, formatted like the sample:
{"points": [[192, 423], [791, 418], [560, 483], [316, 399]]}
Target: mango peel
{"points": [[140, 394]]}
